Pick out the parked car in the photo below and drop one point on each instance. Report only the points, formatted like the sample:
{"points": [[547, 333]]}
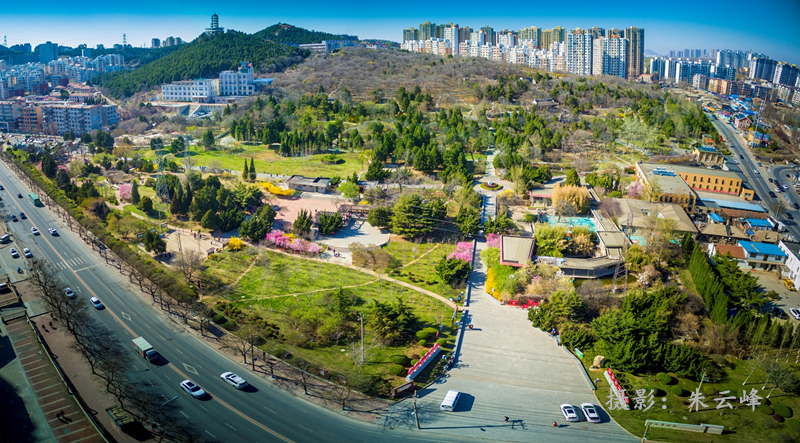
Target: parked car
{"points": [[789, 284], [795, 313], [27, 252], [96, 303], [234, 380], [741, 156], [796, 206], [789, 216], [569, 412], [771, 180], [192, 388], [590, 412], [778, 312], [772, 194], [13, 253]]}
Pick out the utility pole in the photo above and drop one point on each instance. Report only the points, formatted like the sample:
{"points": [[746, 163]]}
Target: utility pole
{"points": [[362, 338], [416, 415]]}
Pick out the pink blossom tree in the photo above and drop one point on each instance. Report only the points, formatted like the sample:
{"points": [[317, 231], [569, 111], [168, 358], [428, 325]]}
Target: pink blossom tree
{"points": [[125, 191], [635, 190]]}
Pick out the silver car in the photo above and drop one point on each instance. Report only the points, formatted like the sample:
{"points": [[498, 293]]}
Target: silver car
{"points": [[192, 388], [234, 380], [569, 412], [590, 412]]}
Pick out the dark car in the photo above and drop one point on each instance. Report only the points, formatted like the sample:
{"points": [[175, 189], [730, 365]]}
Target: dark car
{"points": [[13, 217], [741, 156], [778, 312], [771, 180], [796, 206], [19, 195], [789, 216], [22, 215], [772, 194]]}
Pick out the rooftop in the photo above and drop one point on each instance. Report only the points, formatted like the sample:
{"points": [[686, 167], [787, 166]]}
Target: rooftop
{"points": [[613, 239], [729, 204], [308, 181], [642, 209], [720, 230], [761, 248], [791, 246], [516, 251], [735, 251], [669, 183]]}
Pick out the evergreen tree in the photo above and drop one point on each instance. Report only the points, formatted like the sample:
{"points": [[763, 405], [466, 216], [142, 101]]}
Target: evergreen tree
{"points": [[176, 206], [252, 169], [135, 192], [245, 171], [572, 178], [209, 220]]}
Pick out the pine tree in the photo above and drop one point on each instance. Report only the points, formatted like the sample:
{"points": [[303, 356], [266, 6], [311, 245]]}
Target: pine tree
{"points": [[188, 196], [252, 169], [176, 207], [135, 193], [245, 171]]}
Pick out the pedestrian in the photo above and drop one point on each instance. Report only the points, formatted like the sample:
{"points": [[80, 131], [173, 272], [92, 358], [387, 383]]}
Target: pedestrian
{"points": [[555, 425], [506, 419]]}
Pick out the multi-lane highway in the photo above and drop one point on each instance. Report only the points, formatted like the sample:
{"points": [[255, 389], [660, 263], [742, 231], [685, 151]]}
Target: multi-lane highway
{"points": [[758, 176], [263, 414]]}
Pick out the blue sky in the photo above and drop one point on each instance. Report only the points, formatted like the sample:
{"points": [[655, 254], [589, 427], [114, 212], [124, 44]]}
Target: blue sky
{"points": [[770, 27]]}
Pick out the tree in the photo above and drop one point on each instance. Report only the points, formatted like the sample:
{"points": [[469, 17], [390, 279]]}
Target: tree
{"points": [[153, 242], [135, 192], [146, 205], [778, 208], [48, 166], [189, 262], [235, 244], [469, 220], [245, 171], [259, 225], [208, 139], [156, 144], [551, 240], [452, 270], [520, 179], [391, 321], [375, 171], [178, 145], [380, 217], [572, 178], [302, 224], [330, 222], [577, 196], [62, 179], [411, 218], [253, 173], [209, 220], [349, 190]]}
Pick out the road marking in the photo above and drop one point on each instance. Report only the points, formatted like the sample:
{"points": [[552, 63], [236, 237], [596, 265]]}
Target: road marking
{"points": [[190, 368], [165, 375], [309, 430], [212, 435], [270, 410], [184, 414], [179, 351], [203, 408], [125, 316], [230, 426]]}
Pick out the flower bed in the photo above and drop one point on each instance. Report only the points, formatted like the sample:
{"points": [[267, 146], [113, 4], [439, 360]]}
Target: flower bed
{"points": [[282, 240], [330, 159], [491, 186]]}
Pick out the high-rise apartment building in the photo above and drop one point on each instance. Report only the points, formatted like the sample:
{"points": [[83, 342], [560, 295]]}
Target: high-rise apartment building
{"points": [[614, 32], [597, 32], [533, 34], [47, 52], [785, 74], [466, 34], [506, 39], [579, 52], [453, 33], [428, 31], [609, 56], [491, 38], [762, 67], [635, 37], [155, 43], [410, 34]]}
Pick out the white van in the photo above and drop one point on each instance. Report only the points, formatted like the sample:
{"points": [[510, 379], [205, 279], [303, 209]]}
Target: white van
{"points": [[450, 400], [5, 238]]}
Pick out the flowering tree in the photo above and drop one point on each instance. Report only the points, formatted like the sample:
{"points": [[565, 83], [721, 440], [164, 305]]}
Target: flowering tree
{"points": [[125, 191], [463, 252], [281, 240], [635, 190], [493, 240]]}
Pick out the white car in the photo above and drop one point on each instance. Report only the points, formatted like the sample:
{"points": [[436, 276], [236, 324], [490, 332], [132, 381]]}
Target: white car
{"points": [[569, 412], [234, 380], [27, 252], [590, 412], [13, 253], [69, 293], [96, 303], [785, 186], [53, 231], [34, 230], [192, 388], [795, 313]]}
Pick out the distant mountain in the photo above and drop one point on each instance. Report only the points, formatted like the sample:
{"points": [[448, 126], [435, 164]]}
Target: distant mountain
{"points": [[651, 52], [290, 34], [205, 57]]}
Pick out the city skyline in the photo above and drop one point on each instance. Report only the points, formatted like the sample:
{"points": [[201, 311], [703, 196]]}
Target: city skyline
{"points": [[683, 24]]}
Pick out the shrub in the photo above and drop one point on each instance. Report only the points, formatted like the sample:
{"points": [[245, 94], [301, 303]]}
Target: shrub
{"points": [[765, 409], [219, 319], [423, 342], [398, 370], [658, 392], [782, 410], [423, 335], [708, 390], [679, 391], [235, 244], [400, 359], [441, 342], [414, 361], [330, 159], [777, 418], [229, 325], [665, 378]]}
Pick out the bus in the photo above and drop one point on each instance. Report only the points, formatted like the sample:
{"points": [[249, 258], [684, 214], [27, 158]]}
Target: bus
{"points": [[34, 199]]}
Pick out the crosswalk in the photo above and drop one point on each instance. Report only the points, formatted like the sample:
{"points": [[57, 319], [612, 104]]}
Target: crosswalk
{"points": [[69, 263]]}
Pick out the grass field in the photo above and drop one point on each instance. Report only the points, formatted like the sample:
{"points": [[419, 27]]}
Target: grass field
{"points": [[423, 272], [277, 284], [741, 423], [267, 161]]}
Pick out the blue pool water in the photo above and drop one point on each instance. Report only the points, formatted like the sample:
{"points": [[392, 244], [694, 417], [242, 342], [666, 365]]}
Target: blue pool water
{"points": [[569, 222]]}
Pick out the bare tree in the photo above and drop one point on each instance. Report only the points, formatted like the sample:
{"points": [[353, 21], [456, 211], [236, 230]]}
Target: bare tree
{"points": [[304, 375], [189, 262], [341, 391]]}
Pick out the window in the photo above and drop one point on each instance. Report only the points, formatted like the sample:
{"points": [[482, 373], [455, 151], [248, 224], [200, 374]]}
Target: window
{"points": [[716, 180]]}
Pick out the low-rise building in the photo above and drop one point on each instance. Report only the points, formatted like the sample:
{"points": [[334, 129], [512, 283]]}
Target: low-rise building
{"points": [[792, 251], [516, 251], [307, 184], [763, 255], [709, 154], [198, 91], [741, 122], [640, 216]]}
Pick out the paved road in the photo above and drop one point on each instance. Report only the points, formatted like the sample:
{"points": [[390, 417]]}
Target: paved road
{"points": [[267, 414]]}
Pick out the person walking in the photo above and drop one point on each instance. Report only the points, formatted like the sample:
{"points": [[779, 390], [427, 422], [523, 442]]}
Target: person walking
{"points": [[555, 425], [506, 419]]}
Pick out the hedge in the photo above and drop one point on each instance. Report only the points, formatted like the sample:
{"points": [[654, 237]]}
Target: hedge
{"points": [[665, 378], [441, 342], [398, 370], [782, 410], [423, 342], [679, 391], [219, 319], [765, 409], [400, 359], [423, 334]]}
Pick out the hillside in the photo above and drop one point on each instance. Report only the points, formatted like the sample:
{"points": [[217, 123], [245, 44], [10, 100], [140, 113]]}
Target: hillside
{"points": [[133, 55], [205, 57], [285, 33]]}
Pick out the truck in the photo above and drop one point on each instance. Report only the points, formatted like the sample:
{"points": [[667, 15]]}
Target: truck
{"points": [[145, 349]]}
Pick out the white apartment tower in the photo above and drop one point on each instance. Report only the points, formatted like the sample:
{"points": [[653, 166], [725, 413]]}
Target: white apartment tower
{"points": [[237, 82], [579, 52], [610, 57]]}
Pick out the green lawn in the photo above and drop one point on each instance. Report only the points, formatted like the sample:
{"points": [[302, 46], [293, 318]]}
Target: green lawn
{"points": [[287, 275], [741, 423], [267, 161], [423, 273]]}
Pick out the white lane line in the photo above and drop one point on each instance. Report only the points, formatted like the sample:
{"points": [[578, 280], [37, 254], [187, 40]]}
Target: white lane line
{"points": [[309, 430], [204, 408], [270, 410], [212, 435], [179, 351], [184, 414], [165, 375], [230, 426]]}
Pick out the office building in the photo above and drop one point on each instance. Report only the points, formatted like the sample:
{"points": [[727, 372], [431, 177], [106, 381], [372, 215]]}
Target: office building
{"points": [[609, 57], [635, 60], [579, 52], [234, 83], [155, 43]]}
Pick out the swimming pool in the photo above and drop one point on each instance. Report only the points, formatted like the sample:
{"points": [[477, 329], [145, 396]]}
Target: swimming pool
{"points": [[570, 222]]}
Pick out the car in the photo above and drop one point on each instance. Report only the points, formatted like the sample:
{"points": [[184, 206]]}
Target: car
{"points": [[789, 284], [19, 195], [789, 216], [771, 180], [69, 292], [795, 313], [777, 189], [772, 194], [741, 156], [13, 253], [34, 231], [785, 186], [569, 412], [756, 171], [590, 412], [234, 380], [759, 163], [2, 188], [13, 217], [96, 303], [192, 388], [788, 176], [778, 312], [22, 215], [53, 231], [27, 252], [796, 206]]}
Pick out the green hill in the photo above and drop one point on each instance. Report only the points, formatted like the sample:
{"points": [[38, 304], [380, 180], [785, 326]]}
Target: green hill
{"points": [[284, 33], [205, 57]]}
